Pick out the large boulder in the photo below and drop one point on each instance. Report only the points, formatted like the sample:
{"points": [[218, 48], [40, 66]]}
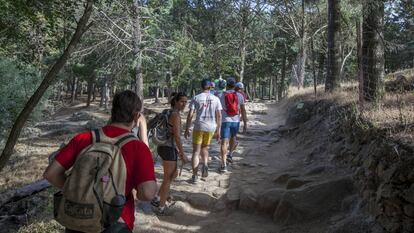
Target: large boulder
{"points": [[283, 178], [296, 183], [248, 199], [269, 200], [300, 113], [232, 199], [313, 201], [201, 200]]}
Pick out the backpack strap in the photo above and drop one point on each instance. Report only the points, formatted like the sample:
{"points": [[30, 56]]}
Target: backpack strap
{"points": [[99, 136], [125, 139], [96, 136]]}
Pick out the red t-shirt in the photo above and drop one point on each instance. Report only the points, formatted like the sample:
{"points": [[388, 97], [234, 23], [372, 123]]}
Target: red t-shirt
{"points": [[138, 161]]}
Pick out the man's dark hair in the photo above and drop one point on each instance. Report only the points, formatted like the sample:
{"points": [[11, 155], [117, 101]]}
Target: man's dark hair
{"points": [[231, 82], [124, 106], [205, 84]]}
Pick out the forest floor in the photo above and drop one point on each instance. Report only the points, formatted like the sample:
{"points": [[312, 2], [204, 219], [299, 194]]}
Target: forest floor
{"points": [[274, 185]]}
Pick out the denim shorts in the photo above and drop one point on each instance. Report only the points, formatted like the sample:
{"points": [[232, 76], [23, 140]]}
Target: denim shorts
{"points": [[229, 129]]}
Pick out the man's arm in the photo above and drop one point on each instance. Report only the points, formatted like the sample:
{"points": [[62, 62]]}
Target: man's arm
{"points": [[218, 122], [244, 117], [188, 123], [55, 174], [143, 129], [146, 191]]}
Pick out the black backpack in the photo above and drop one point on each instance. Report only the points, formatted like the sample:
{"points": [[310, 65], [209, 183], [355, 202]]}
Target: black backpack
{"points": [[160, 130]]}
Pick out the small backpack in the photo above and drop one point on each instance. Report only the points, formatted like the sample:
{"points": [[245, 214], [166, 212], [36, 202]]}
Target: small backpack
{"points": [[231, 102], [159, 129], [93, 195]]}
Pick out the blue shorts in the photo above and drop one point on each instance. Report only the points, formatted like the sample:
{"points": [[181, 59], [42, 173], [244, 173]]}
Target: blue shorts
{"points": [[229, 129]]}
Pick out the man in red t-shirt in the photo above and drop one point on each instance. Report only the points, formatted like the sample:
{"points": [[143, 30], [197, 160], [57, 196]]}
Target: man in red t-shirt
{"points": [[126, 108]]}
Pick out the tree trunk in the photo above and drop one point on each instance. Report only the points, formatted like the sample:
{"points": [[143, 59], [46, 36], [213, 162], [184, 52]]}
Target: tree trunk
{"points": [[243, 36], [169, 80], [302, 56], [105, 93], [243, 57], [334, 47], [157, 94], [314, 68], [254, 87], [283, 78], [372, 48], [270, 88], [137, 37], [93, 92], [301, 64], [275, 88], [321, 67], [59, 91], [359, 61], [78, 88], [262, 85], [91, 81], [23, 192], [74, 89], [248, 90], [48, 79]]}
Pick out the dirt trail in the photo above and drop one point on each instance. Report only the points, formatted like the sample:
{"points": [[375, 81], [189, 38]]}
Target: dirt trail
{"points": [[279, 182], [204, 207]]}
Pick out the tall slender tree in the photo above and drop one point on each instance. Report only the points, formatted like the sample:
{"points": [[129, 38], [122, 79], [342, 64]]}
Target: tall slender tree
{"points": [[372, 48], [334, 45], [47, 80], [137, 37]]}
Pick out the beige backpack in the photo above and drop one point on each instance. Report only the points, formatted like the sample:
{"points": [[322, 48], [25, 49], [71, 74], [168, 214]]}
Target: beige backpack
{"points": [[94, 193]]}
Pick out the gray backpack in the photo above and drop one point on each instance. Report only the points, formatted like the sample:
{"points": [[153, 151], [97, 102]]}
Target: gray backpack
{"points": [[160, 130], [93, 195]]}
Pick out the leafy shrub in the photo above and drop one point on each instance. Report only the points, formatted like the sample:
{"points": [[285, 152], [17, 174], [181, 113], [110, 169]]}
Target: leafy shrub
{"points": [[17, 83]]}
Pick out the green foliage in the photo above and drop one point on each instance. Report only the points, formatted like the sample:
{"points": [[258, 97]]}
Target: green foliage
{"points": [[17, 83], [399, 35]]}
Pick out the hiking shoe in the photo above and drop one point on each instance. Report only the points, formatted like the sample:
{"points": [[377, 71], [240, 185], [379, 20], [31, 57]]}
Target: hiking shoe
{"points": [[194, 179], [229, 159], [223, 169], [155, 202], [204, 171], [163, 211]]}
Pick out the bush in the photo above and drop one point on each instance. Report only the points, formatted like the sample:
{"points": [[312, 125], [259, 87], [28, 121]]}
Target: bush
{"points": [[17, 83]]}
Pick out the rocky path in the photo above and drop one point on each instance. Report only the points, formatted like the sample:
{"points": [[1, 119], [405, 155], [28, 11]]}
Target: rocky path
{"points": [[225, 202], [283, 179]]}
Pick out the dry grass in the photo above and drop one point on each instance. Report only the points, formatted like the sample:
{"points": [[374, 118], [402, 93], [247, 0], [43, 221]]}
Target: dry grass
{"points": [[49, 226], [393, 113], [28, 162]]}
